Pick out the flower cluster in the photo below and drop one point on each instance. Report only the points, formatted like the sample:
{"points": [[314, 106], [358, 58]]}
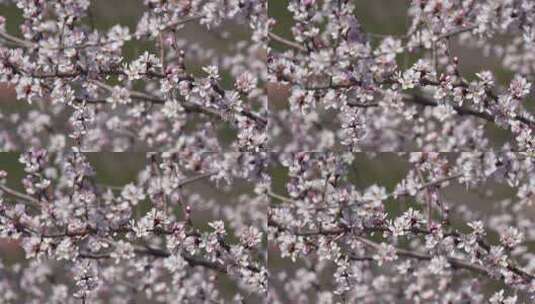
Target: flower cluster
{"points": [[439, 227], [352, 89], [416, 234], [445, 215], [148, 239], [155, 100]]}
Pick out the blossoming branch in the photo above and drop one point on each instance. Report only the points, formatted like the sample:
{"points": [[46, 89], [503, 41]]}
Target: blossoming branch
{"points": [[156, 238], [90, 97], [338, 85]]}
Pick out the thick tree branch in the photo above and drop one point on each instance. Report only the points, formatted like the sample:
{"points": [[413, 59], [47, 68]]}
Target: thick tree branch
{"points": [[158, 253], [190, 107], [348, 231]]}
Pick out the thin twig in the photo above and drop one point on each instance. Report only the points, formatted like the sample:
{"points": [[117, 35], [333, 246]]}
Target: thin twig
{"points": [[20, 195], [181, 22], [162, 50], [427, 202], [195, 178], [279, 197], [456, 32], [15, 40], [286, 42]]}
